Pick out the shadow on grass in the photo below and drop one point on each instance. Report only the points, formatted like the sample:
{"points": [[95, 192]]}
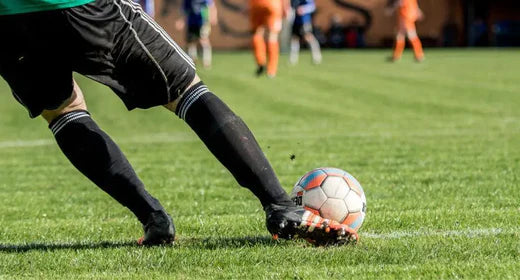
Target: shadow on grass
{"points": [[212, 243], [20, 248]]}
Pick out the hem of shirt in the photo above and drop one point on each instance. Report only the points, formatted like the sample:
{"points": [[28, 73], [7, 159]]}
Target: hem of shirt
{"points": [[42, 8]]}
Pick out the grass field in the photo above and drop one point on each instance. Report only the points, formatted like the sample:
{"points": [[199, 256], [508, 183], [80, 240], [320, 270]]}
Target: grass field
{"points": [[435, 145]]}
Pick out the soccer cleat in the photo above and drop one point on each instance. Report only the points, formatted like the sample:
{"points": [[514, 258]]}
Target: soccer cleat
{"points": [[316, 60], [393, 59], [289, 222], [293, 59], [419, 59], [260, 70], [158, 230]]}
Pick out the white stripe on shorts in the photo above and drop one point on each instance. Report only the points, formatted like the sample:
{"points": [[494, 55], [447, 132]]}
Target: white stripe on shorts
{"points": [[138, 9], [143, 46]]}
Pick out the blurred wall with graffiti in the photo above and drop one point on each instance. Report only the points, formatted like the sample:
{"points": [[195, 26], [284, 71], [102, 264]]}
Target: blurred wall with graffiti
{"points": [[362, 22]]}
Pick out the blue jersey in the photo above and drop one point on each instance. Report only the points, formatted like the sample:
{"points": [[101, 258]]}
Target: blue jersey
{"points": [[148, 6], [196, 11], [307, 7]]}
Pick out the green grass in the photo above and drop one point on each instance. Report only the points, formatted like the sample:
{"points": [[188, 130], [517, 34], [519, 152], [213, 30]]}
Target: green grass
{"points": [[435, 146]]}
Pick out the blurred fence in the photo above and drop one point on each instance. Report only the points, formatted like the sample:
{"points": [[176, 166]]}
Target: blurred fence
{"points": [[363, 23]]}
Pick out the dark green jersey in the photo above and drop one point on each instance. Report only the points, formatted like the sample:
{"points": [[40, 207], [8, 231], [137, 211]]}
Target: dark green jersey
{"points": [[9, 7]]}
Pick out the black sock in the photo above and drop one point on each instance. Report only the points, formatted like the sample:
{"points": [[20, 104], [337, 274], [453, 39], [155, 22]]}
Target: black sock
{"points": [[93, 153], [232, 143]]}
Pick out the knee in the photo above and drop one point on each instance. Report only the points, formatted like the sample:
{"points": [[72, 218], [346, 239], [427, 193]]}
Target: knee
{"points": [[273, 36], [412, 34], [172, 106], [75, 102], [259, 32], [204, 42]]}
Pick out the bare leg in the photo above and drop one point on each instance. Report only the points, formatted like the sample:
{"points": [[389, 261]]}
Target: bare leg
{"points": [[192, 50], [206, 52], [259, 50], [75, 102], [295, 50], [273, 52], [315, 47], [399, 44], [416, 44]]}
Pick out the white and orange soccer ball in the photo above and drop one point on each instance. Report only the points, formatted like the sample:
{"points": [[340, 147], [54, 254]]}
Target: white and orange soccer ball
{"points": [[333, 194]]}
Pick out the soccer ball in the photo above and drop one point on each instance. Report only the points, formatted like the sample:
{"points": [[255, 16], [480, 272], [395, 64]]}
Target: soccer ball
{"points": [[333, 194]]}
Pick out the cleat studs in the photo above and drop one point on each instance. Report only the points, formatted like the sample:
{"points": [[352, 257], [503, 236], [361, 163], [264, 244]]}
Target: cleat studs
{"points": [[325, 223]]}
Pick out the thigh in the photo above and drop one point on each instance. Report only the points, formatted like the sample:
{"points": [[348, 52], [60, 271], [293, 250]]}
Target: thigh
{"points": [[128, 51], [306, 23], [307, 28], [205, 30], [401, 25], [406, 24], [274, 18], [409, 25], [258, 16], [35, 61]]}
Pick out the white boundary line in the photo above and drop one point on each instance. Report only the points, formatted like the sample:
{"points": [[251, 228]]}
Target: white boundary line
{"points": [[470, 233], [25, 143], [183, 137], [150, 138]]}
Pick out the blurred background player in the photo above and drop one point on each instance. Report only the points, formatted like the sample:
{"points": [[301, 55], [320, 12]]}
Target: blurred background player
{"points": [[148, 6], [199, 16], [266, 15], [302, 28], [408, 13]]}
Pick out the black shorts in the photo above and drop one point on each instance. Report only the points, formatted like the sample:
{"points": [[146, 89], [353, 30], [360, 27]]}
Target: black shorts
{"points": [[299, 29], [195, 32], [111, 41]]}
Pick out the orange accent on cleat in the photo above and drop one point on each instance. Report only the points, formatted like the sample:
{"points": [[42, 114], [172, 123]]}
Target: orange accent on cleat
{"points": [[314, 211], [307, 225], [140, 240]]}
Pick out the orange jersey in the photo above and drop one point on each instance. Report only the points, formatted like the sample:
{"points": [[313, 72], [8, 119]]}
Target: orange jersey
{"points": [[409, 10], [265, 3], [266, 13]]}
